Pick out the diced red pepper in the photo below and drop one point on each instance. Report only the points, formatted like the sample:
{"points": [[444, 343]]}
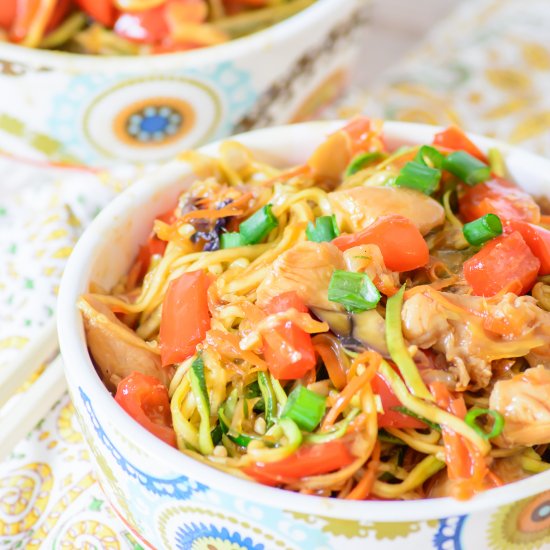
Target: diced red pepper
{"points": [[392, 418], [455, 139], [501, 197], [537, 239], [504, 264], [185, 317], [402, 245], [289, 340], [146, 400], [308, 460]]}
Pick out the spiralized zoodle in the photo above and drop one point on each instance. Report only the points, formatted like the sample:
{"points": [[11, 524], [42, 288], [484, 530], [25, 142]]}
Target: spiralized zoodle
{"points": [[356, 327], [132, 27]]}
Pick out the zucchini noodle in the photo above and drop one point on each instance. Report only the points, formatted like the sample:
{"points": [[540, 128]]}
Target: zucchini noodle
{"points": [[286, 357]]}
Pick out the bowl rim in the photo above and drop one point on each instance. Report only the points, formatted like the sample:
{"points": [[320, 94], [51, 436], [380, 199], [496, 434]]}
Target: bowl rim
{"points": [[74, 352], [243, 46]]}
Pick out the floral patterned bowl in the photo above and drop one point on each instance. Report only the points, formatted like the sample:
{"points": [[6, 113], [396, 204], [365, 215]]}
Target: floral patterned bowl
{"points": [[172, 501], [100, 110]]}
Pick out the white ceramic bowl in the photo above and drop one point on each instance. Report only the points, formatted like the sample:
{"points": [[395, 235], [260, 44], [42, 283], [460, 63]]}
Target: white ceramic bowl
{"points": [[172, 500], [101, 110]]}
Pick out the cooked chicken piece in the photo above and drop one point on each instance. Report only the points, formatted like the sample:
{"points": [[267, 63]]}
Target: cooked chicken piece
{"points": [[524, 401], [367, 258], [307, 269], [116, 349], [358, 207], [473, 331]]}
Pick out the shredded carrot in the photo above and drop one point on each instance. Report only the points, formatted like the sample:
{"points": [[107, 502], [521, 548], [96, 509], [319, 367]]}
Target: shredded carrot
{"points": [[304, 170], [227, 344], [466, 466], [237, 208], [354, 385], [333, 363], [363, 489]]}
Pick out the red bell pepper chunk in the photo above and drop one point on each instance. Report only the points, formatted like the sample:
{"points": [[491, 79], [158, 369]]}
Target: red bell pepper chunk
{"points": [[454, 138], [102, 11], [280, 360], [147, 27], [391, 418], [537, 239], [501, 197], [185, 317], [401, 243], [145, 399], [7, 13], [503, 264], [308, 460], [154, 245]]}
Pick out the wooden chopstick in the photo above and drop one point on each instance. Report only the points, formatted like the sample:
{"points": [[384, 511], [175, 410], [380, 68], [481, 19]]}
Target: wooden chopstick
{"points": [[37, 353], [19, 420]]}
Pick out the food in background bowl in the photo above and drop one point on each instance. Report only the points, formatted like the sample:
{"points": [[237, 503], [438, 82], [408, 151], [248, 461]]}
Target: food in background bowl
{"points": [[126, 27], [104, 110], [146, 469], [337, 328]]}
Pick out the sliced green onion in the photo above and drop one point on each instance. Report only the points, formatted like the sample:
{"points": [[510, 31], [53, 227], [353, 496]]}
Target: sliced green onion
{"points": [[258, 226], [498, 422], [325, 229], [467, 168], [415, 175], [360, 161], [483, 229], [231, 240], [398, 350], [355, 291], [305, 407], [496, 162], [270, 401], [430, 156], [198, 386], [408, 412]]}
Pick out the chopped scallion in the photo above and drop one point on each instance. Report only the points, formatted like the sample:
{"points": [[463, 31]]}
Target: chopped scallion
{"points": [[305, 407], [415, 175], [467, 168], [355, 291], [430, 156], [258, 226], [231, 240], [483, 229], [324, 229], [360, 161], [498, 422]]}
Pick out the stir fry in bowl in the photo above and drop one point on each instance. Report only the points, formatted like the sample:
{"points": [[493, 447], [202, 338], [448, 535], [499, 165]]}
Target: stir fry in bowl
{"points": [[372, 324], [127, 27]]}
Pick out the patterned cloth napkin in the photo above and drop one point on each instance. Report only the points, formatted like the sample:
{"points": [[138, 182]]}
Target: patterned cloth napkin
{"points": [[487, 68]]}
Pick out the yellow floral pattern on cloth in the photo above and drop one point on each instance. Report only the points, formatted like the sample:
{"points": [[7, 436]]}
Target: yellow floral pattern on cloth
{"points": [[49, 496], [485, 68]]}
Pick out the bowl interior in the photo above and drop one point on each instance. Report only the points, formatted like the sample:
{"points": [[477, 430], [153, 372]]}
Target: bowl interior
{"points": [[108, 247]]}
